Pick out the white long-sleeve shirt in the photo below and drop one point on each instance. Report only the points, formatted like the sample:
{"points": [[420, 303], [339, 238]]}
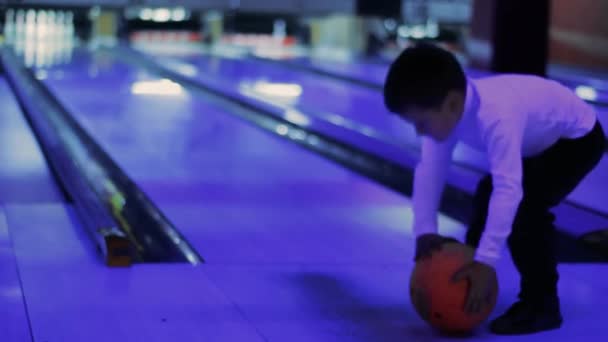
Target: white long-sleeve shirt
{"points": [[508, 117]]}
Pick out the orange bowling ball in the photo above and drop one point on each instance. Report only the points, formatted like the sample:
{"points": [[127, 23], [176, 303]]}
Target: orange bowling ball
{"points": [[440, 302]]}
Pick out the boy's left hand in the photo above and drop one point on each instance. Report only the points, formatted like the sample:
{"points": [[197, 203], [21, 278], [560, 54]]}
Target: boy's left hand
{"points": [[481, 277]]}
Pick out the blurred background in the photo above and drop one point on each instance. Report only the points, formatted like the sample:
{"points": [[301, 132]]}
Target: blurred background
{"points": [[576, 34]]}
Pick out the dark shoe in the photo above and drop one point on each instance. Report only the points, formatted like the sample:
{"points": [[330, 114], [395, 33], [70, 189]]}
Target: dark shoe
{"points": [[525, 318]]}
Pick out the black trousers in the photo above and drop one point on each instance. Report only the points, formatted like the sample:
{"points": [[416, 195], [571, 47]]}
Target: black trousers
{"points": [[547, 180]]}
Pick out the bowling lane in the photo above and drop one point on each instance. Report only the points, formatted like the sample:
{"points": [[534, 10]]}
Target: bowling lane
{"points": [[25, 179], [303, 249], [12, 304], [326, 97], [72, 296], [341, 103], [373, 73], [597, 79], [189, 153], [260, 210], [24, 174], [53, 285]]}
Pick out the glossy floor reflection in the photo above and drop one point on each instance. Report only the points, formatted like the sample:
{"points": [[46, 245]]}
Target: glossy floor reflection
{"points": [[297, 248]]}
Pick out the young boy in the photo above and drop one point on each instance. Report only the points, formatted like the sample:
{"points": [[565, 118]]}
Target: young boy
{"points": [[540, 140]]}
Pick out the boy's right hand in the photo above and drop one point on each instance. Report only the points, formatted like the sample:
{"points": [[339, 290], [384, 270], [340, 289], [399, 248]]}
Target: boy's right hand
{"points": [[426, 244]]}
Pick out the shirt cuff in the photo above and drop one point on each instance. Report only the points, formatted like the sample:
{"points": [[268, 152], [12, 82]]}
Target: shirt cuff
{"points": [[425, 229], [487, 259]]}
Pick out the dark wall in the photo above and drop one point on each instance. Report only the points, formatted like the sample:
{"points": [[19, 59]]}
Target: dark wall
{"points": [[378, 8], [521, 36], [256, 23], [579, 33], [515, 34]]}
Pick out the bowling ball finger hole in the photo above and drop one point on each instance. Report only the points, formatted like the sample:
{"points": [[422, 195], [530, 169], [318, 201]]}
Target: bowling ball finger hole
{"points": [[437, 315]]}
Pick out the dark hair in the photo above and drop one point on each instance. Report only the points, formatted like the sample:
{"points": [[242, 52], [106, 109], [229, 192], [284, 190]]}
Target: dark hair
{"points": [[422, 76]]}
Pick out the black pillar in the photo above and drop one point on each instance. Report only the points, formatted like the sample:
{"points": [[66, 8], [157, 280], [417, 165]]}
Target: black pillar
{"points": [[517, 32]]}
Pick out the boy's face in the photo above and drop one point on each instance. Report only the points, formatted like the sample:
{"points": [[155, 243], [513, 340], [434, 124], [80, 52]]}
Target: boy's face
{"points": [[438, 122]]}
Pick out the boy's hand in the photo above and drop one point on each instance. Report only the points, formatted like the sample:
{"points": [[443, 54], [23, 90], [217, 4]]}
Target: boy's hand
{"points": [[426, 244], [481, 277]]}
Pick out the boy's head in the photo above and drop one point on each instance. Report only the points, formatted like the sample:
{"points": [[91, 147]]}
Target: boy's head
{"points": [[427, 86]]}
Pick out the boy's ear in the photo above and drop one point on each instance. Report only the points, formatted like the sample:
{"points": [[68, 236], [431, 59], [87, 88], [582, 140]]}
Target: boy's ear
{"points": [[454, 101]]}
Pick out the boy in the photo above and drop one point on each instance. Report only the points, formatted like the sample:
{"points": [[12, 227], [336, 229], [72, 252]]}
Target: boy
{"points": [[540, 140]]}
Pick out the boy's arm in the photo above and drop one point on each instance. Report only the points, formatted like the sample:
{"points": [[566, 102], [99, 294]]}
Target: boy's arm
{"points": [[429, 180], [504, 144]]}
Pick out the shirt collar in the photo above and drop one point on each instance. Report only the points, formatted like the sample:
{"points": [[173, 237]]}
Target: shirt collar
{"points": [[471, 105]]}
